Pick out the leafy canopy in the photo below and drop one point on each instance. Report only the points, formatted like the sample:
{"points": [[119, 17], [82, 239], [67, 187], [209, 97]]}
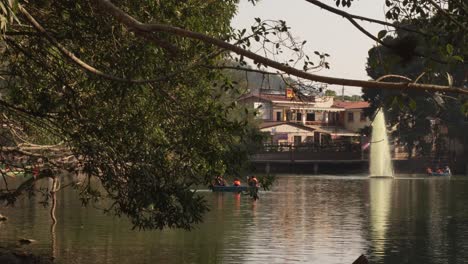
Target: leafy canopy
{"points": [[148, 143]]}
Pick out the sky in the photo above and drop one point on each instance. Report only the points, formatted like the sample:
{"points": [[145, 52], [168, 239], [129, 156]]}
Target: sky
{"points": [[324, 32]]}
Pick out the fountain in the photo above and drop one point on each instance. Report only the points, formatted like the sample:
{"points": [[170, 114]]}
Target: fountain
{"points": [[380, 158]]}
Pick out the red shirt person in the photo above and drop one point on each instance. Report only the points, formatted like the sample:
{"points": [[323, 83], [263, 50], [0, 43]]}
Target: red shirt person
{"points": [[236, 182]]}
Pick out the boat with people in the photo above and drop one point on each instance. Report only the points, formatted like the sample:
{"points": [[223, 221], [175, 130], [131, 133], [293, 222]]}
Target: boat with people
{"points": [[219, 185], [440, 174], [439, 171]]}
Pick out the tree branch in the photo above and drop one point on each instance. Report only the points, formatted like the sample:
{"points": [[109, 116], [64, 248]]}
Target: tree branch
{"points": [[77, 60], [393, 76], [351, 16], [441, 10], [139, 28], [10, 196], [225, 67], [350, 19]]}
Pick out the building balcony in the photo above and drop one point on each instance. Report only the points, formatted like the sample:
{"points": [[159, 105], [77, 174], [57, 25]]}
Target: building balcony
{"points": [[318, 123]]}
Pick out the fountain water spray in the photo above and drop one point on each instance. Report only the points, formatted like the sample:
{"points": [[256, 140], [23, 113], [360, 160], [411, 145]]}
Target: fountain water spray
{"points": [[380, 158]]}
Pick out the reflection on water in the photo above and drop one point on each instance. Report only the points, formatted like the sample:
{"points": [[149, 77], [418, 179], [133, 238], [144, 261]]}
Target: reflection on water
{"points": [[380, 190], [304, 219]]}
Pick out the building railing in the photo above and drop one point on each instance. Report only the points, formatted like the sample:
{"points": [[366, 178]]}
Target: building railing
{"points": [[312, 147], [317, 123]]}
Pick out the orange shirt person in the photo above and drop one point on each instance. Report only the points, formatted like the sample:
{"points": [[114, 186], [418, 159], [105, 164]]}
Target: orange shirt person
{"points": [[236, 182], [253, 182]]}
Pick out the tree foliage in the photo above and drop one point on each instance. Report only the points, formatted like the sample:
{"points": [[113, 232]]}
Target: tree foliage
{"points": [[130, 88], [409, 114], [148, 143]]}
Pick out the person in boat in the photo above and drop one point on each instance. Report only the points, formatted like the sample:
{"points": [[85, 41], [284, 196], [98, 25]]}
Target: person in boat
{"points": [[253, 182], [429, 171], [439, 171], [236, 182], [219, 181], [447, 170]]}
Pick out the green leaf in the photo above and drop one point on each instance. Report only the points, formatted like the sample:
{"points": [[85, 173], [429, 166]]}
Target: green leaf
{"points": [[401, 104], [449, 49], [412, 104], [382, 34], [458, 58], [465, 108]]}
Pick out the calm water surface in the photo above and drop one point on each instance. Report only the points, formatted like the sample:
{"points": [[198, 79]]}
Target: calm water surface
{"points": [[304, 219]]}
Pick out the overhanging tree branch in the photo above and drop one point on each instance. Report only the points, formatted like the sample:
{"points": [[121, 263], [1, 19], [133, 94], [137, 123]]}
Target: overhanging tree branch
{"points": [[351, 16], [236, 68], [140, 28], [11, 195], [80, 62]]}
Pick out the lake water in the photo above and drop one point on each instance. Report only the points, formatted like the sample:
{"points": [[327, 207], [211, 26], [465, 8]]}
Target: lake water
{"points": [[303, 219]]}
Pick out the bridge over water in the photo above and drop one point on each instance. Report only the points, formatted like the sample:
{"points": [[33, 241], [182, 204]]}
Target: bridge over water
{"points": [[310, 158], [336, 159]]}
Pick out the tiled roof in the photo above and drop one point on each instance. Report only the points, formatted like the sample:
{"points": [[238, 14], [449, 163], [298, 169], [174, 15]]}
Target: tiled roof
{"points": [[351, 105], [279, 97]]}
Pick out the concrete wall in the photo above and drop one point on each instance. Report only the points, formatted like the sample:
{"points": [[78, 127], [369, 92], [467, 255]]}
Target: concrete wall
{"points": [[266, 111], [356, 124], [291, 131]]}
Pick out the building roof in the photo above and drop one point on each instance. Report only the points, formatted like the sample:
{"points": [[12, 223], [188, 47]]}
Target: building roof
{"points": [[351, 105], [279, 123], [279, 97]]}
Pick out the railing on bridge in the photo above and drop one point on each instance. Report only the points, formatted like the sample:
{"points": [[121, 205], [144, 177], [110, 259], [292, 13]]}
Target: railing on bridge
{"points": [[310, 151], [312, 147]]}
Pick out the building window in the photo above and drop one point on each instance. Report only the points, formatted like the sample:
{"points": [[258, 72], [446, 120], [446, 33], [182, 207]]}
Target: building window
{"points": [[310, 117], [298, 116], [278, 116], [350, 117], [297, 140], [363, 117]]}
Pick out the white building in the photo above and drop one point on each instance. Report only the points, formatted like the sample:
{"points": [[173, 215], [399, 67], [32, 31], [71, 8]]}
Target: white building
{"points": [[294, 120]]}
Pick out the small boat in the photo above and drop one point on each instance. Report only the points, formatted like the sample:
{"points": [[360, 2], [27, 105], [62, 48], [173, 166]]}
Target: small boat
{"points": [[237, 189], [440, 174]]}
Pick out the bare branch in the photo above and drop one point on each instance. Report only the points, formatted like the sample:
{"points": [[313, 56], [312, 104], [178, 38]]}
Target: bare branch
{"points": [[351, 16], [139, 28], [393, 76]]}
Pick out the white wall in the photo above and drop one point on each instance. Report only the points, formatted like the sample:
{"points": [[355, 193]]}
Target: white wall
{"points": [[357, 124], [265, 111], [290, 130]]}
